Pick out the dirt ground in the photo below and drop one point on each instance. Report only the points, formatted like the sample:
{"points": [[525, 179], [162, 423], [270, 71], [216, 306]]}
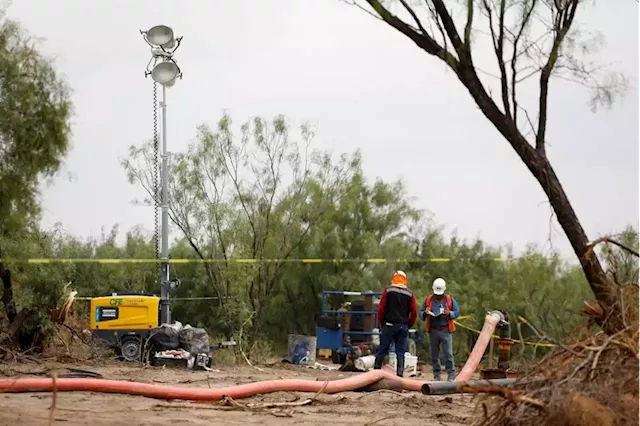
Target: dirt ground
{"points": [[95, 409]]}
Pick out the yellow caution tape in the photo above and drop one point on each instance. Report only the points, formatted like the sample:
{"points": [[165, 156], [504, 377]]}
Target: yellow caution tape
{"points": [[543, 345], [247, 260]]}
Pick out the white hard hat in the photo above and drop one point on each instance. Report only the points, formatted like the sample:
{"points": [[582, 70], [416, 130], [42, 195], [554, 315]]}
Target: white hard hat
{"points": [[439, 286]]}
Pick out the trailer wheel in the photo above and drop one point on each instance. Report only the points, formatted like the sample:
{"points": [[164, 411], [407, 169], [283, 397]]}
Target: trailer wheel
{"points": [[131, 349], [338, 358]]}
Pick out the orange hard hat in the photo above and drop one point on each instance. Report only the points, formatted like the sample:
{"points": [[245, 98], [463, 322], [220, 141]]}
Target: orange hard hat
{"points": [[399, 277]]}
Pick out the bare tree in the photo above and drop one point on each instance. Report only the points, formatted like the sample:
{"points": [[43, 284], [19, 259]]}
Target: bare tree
{"points": [[530, 39], [254, 196]]}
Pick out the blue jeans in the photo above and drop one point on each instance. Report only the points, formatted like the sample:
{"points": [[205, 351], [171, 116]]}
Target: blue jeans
{"points": [[442, 338], [396, 334]]}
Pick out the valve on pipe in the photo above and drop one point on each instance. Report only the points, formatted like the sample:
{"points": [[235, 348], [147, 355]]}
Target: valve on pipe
{"points": [[504, 344], [504, 347]]}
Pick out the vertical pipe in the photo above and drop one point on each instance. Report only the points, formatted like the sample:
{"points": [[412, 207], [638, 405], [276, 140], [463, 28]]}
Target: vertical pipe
{"points": [[491, 353], [165, 312], [491, 320], [504, 344]]}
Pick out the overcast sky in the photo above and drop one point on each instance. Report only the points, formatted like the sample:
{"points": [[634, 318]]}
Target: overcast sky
{"points": [[365, 86]]}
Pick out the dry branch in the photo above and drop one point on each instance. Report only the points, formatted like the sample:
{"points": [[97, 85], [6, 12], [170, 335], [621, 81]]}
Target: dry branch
{"points": [[594, 243], [513, 396], [583, 383]]}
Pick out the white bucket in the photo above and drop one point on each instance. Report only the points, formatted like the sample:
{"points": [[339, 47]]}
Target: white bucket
{"points": [[375, 339], [365, 363], [410, 362]]}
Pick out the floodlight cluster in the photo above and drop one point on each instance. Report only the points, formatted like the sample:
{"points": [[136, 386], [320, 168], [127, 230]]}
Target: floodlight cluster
{"points": [[162, 67]]}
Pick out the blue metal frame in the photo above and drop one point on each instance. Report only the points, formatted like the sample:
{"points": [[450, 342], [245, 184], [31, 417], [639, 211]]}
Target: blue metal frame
{"points": [[337, 335], [352, 293]]}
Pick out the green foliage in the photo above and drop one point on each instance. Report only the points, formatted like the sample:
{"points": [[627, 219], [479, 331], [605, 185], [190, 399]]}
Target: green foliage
{"points": [[34, 128], [545, 291], [259, 195], [621, 264], [253, 195]]}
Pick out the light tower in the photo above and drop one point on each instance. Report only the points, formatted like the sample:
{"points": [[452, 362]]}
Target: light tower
{"points": [[164, 70]]}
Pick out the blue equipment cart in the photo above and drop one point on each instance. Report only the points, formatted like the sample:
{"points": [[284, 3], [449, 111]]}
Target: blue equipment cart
{"points": [[331, 335]]}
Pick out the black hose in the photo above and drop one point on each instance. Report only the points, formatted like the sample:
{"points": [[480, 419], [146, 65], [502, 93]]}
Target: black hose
{"points": [[76, 373], [443, 388]]}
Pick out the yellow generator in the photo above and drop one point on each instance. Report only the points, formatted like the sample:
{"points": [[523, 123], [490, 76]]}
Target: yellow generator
{"points": [[123, 322]]}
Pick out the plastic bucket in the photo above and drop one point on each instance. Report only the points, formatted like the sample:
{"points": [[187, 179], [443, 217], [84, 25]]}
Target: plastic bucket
{"points": [[410, 362], [365, 363]]}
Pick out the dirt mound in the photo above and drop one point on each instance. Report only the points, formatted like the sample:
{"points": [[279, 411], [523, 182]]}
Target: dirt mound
{"points": [[592, 381]]}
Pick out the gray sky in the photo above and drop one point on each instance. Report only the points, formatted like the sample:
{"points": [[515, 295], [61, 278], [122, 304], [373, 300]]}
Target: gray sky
{"points": [[364, 85]]}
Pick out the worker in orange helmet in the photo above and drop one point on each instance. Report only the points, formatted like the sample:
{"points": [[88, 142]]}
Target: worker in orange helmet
{"points": [[397, 312]]}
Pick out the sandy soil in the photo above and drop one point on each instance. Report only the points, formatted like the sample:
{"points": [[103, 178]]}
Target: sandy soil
{"points": [[94, 409]]}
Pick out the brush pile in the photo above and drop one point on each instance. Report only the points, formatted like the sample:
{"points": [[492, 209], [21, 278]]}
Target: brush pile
{"points": [[591, 381]]}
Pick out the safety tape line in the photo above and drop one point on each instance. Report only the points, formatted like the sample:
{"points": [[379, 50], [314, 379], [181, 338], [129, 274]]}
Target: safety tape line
{"points": [[248, 260], [172, 299], [543, 345]]}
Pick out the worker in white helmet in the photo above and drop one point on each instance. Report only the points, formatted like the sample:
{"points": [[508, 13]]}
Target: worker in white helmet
{"points": [[439, 310]]}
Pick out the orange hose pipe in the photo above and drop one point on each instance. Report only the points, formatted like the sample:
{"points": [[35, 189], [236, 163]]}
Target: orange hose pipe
{"points": [[194, 394], [491, 320], [250, 389]]}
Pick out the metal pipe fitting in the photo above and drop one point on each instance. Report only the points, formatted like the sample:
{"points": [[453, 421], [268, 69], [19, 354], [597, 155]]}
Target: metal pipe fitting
{"points": [[498, 315], [384, 384], [443, 388]]}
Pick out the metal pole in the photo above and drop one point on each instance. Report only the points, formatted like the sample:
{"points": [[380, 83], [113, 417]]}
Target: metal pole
{"points": [[165, 312]]}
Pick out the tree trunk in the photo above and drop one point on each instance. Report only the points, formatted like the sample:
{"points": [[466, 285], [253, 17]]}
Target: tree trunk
{"points": [[539, 166], [25, 328], [603, 289], [7, 294]]}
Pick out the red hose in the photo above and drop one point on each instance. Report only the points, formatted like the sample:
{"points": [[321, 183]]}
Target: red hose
{"points": [[246, 390], [491, 320], [194, 394]]}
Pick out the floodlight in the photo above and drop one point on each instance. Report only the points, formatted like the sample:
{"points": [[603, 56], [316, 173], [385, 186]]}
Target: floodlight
{"points": [[161, 35], [170, 44], [165, 73]]}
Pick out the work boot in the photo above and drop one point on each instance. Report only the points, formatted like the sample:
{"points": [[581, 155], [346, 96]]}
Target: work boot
{"points": [[451, 379], [377, 364], [437, 378], [400, 368]]}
